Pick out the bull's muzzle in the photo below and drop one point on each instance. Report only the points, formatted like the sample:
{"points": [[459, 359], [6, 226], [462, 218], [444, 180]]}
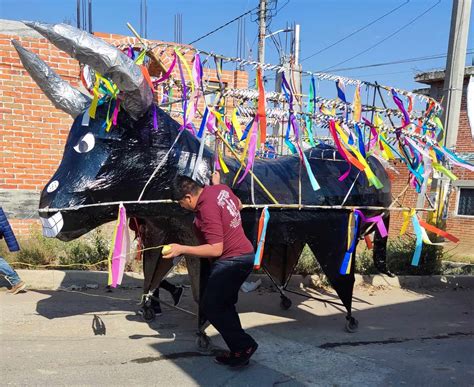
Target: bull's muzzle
{"points": [[52, 225]]}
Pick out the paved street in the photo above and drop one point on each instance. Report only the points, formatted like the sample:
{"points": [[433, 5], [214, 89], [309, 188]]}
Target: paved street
{"points": [[405, 338]]}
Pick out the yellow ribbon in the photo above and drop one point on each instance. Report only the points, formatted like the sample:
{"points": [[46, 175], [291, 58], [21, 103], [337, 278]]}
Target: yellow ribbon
{"points": [[406, 220], [236, 124], [222, 162], [368, 171], [445, 171], [188, 70]]}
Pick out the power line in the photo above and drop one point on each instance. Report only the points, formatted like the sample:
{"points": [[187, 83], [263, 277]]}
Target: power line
{"points": [[407, 60], [387, 37], [356, 31], [223, 25]]}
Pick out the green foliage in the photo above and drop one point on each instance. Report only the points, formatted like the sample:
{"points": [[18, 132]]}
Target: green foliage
{"points": [[400, 253], [399, 256], [307, 264], [37, 250], [364, 263]]}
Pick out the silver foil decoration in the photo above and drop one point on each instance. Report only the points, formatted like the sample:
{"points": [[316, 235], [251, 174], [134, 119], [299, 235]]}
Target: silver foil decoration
{"points": [[104, 58], [61, 93]]}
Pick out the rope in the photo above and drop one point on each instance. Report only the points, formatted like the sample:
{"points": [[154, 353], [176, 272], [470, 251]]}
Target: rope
{"points": [[320, 75], [162, 162]]}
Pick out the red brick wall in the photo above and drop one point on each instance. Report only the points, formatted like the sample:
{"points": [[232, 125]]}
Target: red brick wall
{"points": [[32, 131], [462, 227]]}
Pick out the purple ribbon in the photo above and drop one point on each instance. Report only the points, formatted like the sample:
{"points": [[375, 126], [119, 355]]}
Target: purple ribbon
{"points": [[374, 219]]}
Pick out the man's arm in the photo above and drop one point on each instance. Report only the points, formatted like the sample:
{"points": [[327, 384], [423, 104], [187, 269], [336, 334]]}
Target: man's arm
{"points": [[202, 251]]}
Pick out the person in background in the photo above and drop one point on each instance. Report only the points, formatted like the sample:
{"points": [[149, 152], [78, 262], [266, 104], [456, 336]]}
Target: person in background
{"points": [[12, 276], [5, 269], [218, 227]]}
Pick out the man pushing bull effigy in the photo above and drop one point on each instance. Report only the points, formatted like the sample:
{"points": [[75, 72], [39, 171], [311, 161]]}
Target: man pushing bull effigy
{"points": [[218, 227]]}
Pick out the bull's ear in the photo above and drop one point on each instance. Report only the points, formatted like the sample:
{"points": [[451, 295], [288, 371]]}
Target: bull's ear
{"points": [[104, 58], [61, 93]]}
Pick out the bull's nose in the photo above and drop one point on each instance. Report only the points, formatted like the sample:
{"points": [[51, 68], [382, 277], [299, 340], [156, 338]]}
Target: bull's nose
{"points": [[52, 225]]}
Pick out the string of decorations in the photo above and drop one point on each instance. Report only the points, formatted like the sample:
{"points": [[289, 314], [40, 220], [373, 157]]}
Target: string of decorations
{"points": [[358, 131]]}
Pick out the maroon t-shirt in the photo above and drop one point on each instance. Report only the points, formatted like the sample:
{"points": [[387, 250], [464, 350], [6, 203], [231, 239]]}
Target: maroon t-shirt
{"points": [[218, 220]]}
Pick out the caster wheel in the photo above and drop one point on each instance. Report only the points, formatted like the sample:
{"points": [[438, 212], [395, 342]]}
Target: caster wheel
{"points": [[352, 325], [285, 303], [148, 314], [203, 342]]}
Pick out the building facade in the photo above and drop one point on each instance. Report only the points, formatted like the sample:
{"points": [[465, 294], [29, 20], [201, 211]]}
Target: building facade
{"points": [[460, 209]]}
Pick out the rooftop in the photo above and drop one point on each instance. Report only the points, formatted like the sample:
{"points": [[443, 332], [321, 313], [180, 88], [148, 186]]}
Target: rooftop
{"points": [[432, 76]]}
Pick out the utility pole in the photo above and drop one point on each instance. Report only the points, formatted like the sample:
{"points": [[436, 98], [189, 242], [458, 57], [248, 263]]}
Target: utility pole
{"points": [[90, 16], [452, 94], [261, 31], [454, 75], [78, 13]]}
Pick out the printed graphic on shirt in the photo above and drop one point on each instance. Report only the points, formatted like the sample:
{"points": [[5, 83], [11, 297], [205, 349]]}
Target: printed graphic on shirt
{"points": [[224, 201]]}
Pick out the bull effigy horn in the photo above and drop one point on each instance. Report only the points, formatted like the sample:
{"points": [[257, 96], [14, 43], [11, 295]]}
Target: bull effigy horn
{"points": [[61, 93], [103, 58]]}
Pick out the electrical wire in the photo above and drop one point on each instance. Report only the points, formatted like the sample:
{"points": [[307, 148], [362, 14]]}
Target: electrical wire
{"points": [[407, 60], [356, 31], [223, 25], [387, 37]]}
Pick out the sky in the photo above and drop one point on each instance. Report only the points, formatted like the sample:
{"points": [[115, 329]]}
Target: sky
{"points": [[322, 22]]}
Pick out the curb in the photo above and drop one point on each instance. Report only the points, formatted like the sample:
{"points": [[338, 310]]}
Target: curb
{"points": [[55, 279]]}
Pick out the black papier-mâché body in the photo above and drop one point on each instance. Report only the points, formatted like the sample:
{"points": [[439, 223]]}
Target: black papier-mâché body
{"points": [[120, 162], [102, 168]]}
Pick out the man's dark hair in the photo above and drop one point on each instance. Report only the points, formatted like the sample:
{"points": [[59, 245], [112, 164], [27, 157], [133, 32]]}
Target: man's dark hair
{"points": [[183, 186]]}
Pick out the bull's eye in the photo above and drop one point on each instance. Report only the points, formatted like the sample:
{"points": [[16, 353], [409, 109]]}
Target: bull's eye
{"points": [[85, 143], [52, 186]]}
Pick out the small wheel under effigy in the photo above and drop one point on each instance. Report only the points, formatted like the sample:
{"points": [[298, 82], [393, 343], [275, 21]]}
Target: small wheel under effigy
{"points": [[352, 325], [285, 303]]}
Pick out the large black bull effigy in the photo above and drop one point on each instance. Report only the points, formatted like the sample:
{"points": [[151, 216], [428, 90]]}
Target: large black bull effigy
{"points": [[135, 164]]}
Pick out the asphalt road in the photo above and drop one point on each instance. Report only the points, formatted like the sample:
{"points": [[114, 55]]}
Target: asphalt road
{"points": [[94, 338]]}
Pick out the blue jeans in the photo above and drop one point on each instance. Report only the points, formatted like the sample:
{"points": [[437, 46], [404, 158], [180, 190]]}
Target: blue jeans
{"points": [[220, 296], [10, 274]]}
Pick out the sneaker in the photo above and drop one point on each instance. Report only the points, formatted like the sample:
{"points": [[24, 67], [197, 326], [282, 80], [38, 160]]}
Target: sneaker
{"points": [[241, 358], [17, 288], [177, 293], [223, 359]]}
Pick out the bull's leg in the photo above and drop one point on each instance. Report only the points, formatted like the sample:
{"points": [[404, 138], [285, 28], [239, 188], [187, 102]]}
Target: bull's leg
{"points": [[198, 270], [380, 249], [203, 341], [279, 264], [329, 245], [193, 265]]}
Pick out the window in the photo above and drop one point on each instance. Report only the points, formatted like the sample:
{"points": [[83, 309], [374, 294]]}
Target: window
{"points": [[213, 86], [466, 202]]}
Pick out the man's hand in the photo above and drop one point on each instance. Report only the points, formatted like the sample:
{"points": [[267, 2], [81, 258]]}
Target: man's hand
{"points": [[175, 250], [216, 178]]}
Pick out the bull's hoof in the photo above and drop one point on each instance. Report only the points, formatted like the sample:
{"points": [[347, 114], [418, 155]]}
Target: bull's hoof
{"points": [[285, 303], [352, 325]]}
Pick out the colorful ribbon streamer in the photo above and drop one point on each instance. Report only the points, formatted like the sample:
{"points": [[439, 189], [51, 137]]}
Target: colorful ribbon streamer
{"points": [[262, 232], [120, 250], [352, 229]]}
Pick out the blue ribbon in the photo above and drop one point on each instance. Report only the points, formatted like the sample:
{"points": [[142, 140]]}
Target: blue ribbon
{"points": [[347, 256], [419, 241]]}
